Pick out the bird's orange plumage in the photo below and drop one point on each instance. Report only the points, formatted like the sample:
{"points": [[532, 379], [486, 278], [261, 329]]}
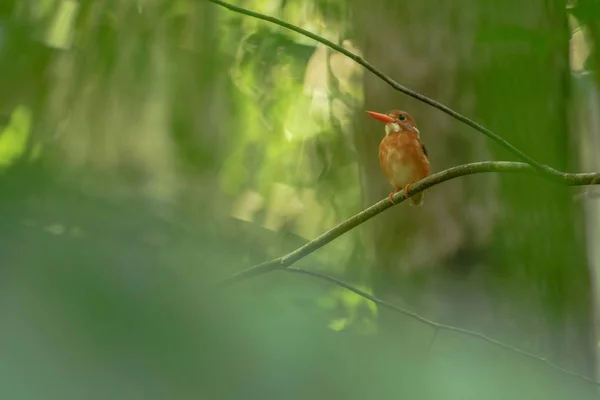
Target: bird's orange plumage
{"points": [[402, 156]]}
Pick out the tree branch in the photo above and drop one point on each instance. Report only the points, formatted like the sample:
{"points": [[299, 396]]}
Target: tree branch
{"points": [[379, 207], [435, 325], [531, 166], [542, 169]]}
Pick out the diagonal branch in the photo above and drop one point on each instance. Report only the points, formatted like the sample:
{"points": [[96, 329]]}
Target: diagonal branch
{"points": [[531, 166], [435, 325], [542, 169], [379, 207]]}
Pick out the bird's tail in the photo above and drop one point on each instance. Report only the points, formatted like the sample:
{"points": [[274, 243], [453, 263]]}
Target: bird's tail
{"points": [[417, 199]]}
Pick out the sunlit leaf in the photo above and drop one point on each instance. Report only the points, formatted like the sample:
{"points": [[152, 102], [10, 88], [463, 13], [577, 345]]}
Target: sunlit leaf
{"points": [[338, 324], [13, 139]]}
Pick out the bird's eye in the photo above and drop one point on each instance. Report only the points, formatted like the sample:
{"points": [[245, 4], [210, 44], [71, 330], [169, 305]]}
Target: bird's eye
{"points": [[401, 117]]}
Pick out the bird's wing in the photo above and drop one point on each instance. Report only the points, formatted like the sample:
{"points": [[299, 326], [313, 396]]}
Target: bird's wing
{"points": [[424, 150]]}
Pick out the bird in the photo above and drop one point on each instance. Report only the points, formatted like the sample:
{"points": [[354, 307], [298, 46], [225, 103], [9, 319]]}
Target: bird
{"points": [[403, 157]]}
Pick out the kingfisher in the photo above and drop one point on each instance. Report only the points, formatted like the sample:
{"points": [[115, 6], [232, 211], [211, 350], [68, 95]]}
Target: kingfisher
{"points": [[403, 157]]}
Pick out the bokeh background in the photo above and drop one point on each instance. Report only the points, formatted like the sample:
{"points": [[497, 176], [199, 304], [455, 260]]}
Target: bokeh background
{"points": [[150, 148]]}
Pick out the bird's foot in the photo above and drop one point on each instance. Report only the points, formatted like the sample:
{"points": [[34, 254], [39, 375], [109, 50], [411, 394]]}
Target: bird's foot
{"points": [[391, 195], [406, 190]]}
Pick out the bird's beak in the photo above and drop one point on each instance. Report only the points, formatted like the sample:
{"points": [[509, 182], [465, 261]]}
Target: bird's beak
{"points": [[386, 119]]}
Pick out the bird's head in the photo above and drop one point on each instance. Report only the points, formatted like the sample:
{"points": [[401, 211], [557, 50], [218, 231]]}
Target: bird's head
{"points": [[395, 121]]}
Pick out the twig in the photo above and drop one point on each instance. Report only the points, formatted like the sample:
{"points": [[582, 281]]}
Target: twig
{"points": [[539, 167], [340, 229], [437, 326]]}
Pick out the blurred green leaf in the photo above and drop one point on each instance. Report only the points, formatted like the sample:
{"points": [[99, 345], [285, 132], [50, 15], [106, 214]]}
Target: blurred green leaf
{"points": [[14, 137]]}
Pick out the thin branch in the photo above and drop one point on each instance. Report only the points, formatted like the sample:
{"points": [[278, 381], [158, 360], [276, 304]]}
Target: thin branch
{"points": [[571, 179], [435, 325], [379, 207], [539, 167], [568, 179]]}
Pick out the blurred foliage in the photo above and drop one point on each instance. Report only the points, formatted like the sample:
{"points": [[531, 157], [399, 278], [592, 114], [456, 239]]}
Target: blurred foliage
{"points": [[13, 138], [148, 147], [115, 95]]}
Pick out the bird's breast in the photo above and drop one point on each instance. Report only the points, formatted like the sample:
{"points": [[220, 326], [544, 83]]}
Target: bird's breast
{"points": [[402, 159]]}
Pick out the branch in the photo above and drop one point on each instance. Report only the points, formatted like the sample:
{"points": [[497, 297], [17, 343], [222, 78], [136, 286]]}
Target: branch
{"points": [[570, 179], [531, 166], [379, 207], [542, 169], [435, 325]]}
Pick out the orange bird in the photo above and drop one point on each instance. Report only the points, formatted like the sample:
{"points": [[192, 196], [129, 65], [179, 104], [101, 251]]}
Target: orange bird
{"points": [[403, 158]]}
